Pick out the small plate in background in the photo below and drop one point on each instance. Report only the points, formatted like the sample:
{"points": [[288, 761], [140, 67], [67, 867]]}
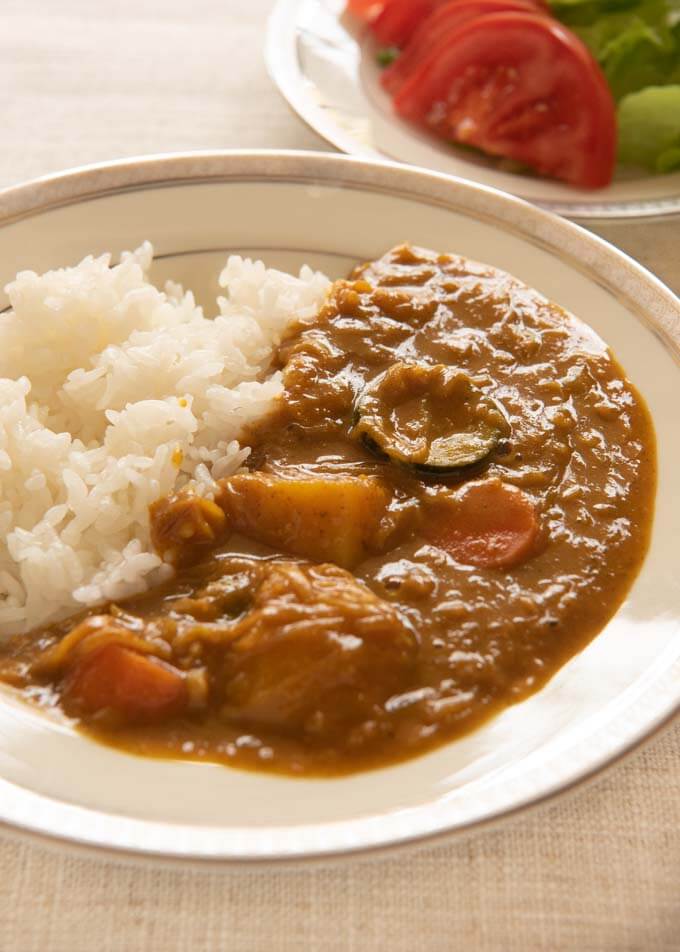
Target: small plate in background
{"points": [[326, 68]]}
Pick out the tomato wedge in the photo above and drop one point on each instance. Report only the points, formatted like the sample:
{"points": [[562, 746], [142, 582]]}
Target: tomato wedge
{"points": [[396, 21], [136, 687], [489, 524], [435, 30], [518, 85], [399, 19], [365, 9]]}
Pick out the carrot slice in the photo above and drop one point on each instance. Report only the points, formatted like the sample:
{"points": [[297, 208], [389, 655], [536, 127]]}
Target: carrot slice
{"points": [[134, 686], [488, 524]]}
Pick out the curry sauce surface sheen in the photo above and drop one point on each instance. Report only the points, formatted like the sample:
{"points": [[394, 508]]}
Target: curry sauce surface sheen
{"points": [[359, 646]]}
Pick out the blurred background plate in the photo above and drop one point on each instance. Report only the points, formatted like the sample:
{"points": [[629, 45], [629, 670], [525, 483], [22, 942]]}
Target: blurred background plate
{"points": [[328, 73], [332, 211]]}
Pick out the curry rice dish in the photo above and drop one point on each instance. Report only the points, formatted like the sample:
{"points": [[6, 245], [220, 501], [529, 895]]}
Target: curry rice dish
{"points": [[451, 497]]}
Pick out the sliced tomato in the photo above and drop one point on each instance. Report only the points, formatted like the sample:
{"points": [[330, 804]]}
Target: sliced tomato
{"points": [[399, 20], [489, 524], [136, 687], [518, 85], [365, 9], [435, 30]]}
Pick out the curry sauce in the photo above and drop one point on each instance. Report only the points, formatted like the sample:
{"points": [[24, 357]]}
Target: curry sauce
{"points": [[451, 498]]}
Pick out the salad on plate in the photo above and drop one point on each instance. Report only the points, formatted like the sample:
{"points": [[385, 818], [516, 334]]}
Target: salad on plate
{"points": [[566, 90]]}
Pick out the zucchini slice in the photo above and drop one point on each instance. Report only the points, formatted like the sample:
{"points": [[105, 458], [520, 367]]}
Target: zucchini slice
{"points": [[432, 418]]}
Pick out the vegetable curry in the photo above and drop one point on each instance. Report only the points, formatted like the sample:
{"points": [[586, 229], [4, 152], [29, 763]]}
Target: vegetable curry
{"points": [[451, 498]]}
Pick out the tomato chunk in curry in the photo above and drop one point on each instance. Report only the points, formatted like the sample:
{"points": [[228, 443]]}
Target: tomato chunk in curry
{"points": [[451, 498]]}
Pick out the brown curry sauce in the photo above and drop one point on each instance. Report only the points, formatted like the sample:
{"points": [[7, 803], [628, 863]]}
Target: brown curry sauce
{"points": [[332, 609]]}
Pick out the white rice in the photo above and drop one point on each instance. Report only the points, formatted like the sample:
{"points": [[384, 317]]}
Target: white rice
{"points": [[113, 393]]}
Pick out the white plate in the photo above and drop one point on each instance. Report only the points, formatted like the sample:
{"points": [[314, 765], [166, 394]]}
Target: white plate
{"points": [[332, 211], [327, 71]]}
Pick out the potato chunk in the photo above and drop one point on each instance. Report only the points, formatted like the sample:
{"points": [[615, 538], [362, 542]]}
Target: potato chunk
{"points": [[325, 520]]}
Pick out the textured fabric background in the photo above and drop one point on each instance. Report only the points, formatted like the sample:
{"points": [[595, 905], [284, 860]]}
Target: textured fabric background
{"points": [[597, 872]]}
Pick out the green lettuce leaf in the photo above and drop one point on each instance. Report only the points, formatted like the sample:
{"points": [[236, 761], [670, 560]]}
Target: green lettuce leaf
{"points": [[649, 128], [590, 11], [636, 42]]}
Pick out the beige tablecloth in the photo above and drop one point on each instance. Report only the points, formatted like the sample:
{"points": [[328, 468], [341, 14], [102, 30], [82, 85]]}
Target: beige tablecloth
{"points": [[597, 872]]}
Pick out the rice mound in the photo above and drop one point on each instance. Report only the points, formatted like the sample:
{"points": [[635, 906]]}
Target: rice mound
{"points": [[113, 393]]}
